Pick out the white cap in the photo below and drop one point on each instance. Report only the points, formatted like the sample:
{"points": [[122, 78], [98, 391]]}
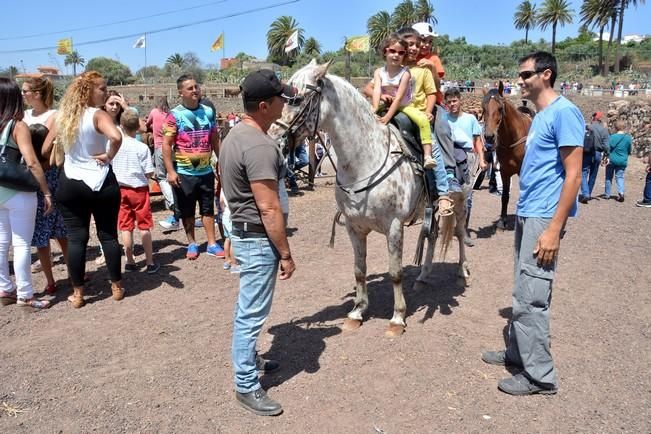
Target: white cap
{"points": [[425, 29]]}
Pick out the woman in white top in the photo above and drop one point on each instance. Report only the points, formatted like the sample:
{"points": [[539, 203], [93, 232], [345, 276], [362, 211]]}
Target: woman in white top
{"points": [[39, 94], [18, 208], [87, 185]]}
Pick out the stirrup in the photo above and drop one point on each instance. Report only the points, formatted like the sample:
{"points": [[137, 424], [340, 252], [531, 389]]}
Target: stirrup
{"points": [[446, 206]]}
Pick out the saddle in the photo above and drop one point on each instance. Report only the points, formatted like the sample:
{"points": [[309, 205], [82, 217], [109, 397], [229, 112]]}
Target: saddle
{"points": [[411, 135]]}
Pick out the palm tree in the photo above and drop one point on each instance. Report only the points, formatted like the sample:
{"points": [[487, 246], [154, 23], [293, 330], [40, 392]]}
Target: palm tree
{"points": [[176, 60], [525, 18], [379, 26], [279, 31], [425, 12], [74, 59], [404, 15], [554, 12], [597, 13], [312, 47], [623, 5]]}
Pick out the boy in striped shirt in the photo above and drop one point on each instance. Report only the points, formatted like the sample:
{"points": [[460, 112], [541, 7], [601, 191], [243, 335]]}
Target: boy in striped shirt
{"points": [[133, 167]]}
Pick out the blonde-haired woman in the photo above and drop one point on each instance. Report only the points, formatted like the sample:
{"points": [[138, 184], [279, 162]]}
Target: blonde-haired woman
{"points": [[39, 94], [87, 185]]}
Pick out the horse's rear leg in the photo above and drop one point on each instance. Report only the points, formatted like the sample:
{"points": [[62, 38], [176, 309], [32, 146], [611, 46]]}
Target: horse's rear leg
{"points": [[463, 272], [506, 192], [356, 316], [394, 245]]}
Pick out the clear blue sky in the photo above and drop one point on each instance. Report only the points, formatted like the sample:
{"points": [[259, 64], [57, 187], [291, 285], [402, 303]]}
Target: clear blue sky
{"points": [[329, 21]]}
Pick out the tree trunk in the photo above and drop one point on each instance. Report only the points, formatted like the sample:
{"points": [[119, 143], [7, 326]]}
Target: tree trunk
{"points": [[553, 38], [74, 70], [601, 50], [610, 43], [526, 35], [618, 48]]}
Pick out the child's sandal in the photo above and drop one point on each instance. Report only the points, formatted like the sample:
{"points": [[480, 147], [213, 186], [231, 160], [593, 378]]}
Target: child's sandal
{"points": [[446, 206]]}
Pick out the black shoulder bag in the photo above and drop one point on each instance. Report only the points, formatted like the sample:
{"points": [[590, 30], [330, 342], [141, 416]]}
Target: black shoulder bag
{"points": [[14, 174]]}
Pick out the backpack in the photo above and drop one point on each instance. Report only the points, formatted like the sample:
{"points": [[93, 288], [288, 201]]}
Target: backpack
{"points": [[589, 141]]}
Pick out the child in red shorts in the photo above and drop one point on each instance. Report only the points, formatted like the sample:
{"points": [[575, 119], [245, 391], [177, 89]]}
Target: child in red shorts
{"points": [[133, 167]]}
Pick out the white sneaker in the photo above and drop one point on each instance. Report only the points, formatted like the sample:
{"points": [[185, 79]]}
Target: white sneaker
{"points": [[170, 224]]}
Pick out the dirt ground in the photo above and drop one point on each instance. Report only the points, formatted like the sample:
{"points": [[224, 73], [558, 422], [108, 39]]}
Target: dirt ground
{"points": [[159, 361]]}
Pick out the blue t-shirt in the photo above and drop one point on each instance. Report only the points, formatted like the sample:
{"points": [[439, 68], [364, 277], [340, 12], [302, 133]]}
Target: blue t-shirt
{"points": [[464, 127], [542, 175]]}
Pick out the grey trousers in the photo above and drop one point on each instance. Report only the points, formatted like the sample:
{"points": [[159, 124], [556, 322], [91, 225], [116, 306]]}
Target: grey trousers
{"points": [[528, 342]]}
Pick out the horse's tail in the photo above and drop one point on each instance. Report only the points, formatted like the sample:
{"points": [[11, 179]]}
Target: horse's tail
{"points": [[448, 223], [335, 222]]}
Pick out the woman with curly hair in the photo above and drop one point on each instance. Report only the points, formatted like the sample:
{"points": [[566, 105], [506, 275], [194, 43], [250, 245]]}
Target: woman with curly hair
{"points": [[39, 94], [18, 208], [87, 185]]}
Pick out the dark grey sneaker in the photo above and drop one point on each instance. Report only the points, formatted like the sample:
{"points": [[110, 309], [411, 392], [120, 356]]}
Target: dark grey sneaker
{"points": [[153, 268], [494, 357], [259, 403], [266, 366], [520, 385]]}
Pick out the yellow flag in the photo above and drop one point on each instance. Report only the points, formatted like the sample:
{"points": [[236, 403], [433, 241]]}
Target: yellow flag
{"points": [[218, 44], [357, 44], [64, 46]]}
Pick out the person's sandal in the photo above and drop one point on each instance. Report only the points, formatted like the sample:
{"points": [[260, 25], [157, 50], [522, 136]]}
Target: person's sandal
{"points": [[446, 206], [7, 298], [77, 299], [33, 303]]}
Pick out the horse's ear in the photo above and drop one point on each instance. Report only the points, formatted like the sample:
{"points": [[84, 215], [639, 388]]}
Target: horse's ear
{"points": [[312, 62], [484, 91], [322, 70], [500, 88]]}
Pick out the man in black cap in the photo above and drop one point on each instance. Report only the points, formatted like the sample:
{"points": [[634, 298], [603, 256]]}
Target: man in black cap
{"points": [[251, 166]]}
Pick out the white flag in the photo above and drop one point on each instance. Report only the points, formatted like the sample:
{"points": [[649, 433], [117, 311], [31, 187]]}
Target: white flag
{"points": [[292, 42], [140, 43]]}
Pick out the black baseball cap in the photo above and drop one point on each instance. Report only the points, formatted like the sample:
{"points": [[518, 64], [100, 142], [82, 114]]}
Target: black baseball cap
{"points": [[263, 84]]}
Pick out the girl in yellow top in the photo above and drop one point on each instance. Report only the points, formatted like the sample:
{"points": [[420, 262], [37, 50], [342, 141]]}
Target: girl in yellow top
{"points": [[395, 80]]}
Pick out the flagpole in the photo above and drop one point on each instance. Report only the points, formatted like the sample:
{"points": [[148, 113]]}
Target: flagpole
{"points": [[144, 74]]}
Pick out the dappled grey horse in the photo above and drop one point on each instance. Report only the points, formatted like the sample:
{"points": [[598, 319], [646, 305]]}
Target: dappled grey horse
{"points": [[377, 189]]}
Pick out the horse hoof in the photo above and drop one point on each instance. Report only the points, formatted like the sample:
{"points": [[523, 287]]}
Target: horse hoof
{"points": [[352, 324], [394, 331], [501, 225]]}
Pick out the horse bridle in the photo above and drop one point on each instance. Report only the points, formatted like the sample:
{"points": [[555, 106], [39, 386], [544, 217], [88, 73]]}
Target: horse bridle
{"points": [[503, 115], [312, 105]]}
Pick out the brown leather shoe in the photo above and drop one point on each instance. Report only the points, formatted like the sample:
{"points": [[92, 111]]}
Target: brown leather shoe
{"points": [[77, 298], [118, 291]]}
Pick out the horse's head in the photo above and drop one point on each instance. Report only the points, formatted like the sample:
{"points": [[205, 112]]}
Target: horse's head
{"points": [[302, 120], [494, 110]]}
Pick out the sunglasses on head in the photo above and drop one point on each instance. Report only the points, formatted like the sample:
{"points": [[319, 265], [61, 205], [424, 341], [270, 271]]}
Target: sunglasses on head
{"points": [[398, 52], [525, 75]]}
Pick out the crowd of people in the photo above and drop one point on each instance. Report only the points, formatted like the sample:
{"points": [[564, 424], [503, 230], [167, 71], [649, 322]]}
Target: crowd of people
{"points": [[88, 163]]}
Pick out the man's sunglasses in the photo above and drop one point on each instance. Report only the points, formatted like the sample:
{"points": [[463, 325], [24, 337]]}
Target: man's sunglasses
{"points": [[525, 75], [398, 52]]}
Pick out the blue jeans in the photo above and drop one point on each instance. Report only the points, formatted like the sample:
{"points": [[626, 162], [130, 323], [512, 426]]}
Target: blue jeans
{"points": [[647, 188], [590, 168], [296, 160], [618, 171], [258, 261], [438, 175]]}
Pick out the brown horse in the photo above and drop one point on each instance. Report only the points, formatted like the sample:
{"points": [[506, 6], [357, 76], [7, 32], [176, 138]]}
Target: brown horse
{"points": [[507, 127]]}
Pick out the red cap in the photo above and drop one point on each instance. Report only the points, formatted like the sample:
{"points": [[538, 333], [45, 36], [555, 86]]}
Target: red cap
{"points": [[597, 116]]}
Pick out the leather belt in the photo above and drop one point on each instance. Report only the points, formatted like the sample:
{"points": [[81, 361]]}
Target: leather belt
{"points": [[250, 227], [242, 234]]}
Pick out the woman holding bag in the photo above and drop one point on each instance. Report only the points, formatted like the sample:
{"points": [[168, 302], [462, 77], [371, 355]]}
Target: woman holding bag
{"points": [[17, 207], [87, 185]]}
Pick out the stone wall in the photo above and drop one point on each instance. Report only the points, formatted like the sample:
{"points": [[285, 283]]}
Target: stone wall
{"points": [[637, 115]]}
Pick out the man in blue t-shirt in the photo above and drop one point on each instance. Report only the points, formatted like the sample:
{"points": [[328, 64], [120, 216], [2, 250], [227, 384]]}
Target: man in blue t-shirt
{"points": [[549, 183], [466, 135]]}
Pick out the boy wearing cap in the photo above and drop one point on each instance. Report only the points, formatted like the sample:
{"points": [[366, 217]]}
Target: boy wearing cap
{"points": [[429, 59], [251, 167], [592, 155], [190, 131]]}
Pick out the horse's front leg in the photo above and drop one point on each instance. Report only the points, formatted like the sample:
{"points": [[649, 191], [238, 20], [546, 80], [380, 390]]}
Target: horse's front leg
{"points": [[506, 192], [356, 316], [394, 245]]}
